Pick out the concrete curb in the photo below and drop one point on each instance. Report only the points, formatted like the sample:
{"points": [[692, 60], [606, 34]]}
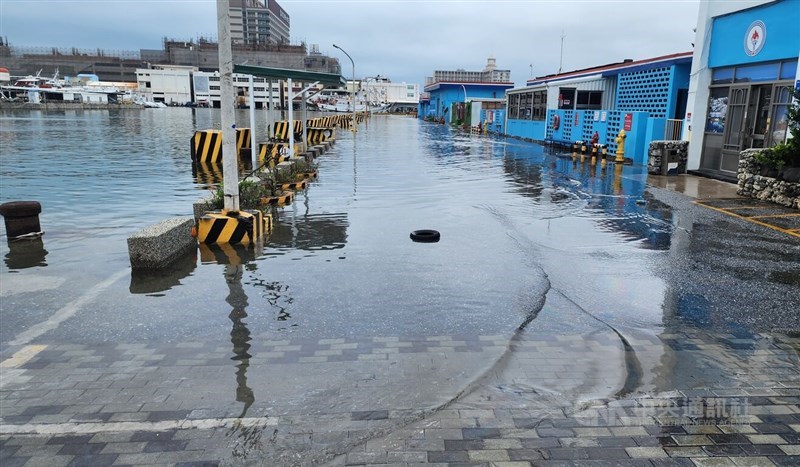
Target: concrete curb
{"points": [[157, 246]]}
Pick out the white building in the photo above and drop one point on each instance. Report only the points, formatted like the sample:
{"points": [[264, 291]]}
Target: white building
{"points": [[207, 92], [170, 84], [489, 74], [399, 96], [744, 68]]}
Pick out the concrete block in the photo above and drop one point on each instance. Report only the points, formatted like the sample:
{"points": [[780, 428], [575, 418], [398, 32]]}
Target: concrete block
{"points": [[200, 207], [157, 246]]}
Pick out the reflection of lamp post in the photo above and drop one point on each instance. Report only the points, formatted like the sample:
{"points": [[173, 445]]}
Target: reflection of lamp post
{"points": [[353, 94], [240, 334]]}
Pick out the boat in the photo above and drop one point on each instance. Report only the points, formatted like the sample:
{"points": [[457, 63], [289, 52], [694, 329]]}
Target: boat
{"points": [[347, 106], [340, 100]]}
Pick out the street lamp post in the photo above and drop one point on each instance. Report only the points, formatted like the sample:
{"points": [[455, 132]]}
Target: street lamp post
{"points": [[353, 94]]}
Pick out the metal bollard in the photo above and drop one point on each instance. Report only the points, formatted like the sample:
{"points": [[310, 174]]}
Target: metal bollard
{"points": [[583, 151], [603, 155], [594, 154], [575, 150]]}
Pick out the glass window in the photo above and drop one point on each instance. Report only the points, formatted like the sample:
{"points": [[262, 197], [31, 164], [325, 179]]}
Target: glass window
{"points": [[513, 106], [589, 100], [722, 76], [760, 72], [717, 109], [788, 69], [780, 115]]}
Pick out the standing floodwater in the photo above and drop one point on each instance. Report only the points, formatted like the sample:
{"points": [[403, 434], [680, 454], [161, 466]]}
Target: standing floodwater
{"points": [[341, 328]]}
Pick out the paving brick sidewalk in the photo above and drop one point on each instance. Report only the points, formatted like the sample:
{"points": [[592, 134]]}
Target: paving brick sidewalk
{"points": [[753, 423], [151, 405]]}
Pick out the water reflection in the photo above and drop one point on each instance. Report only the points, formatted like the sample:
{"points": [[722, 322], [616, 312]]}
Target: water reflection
{"points": [[226, 253], [24, 254], [612, 196], [311, 232], [240, 334], [152, 282], [208, 175]]}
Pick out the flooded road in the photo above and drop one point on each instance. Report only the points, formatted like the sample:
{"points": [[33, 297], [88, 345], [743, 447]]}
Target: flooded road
{"points": [[555, 284]]}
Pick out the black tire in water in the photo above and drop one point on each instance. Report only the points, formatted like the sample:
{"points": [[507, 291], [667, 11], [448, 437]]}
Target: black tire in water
{"points": [[425, 236]]}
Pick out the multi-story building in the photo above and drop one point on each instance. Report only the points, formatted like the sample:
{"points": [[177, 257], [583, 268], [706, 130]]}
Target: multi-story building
{"points": [[449, 93], [400, 97], [166, 83], [255, 22], [490, 74]]}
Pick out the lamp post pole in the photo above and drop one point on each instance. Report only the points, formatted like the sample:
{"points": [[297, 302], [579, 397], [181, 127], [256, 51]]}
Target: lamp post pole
{"points": [[353, 94], [230, 170]]}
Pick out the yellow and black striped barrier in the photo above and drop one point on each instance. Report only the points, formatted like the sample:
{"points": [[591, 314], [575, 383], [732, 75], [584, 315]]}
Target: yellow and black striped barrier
{"points": [[206, 146], [242, 139], [308, 175], [295, 186], [230, 227], [280, 200], [318, 135], [275, 152], [281, 132], [234, 253]]}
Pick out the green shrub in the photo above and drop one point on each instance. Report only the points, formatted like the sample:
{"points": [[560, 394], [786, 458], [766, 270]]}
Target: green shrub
{"points": [[250, 194]]}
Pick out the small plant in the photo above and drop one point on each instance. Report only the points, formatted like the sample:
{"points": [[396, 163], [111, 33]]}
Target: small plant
{"points": [[250, 194], [771, 158], [302, 166]]}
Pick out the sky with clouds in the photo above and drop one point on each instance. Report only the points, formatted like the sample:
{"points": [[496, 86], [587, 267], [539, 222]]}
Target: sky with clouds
{"points": [[404, 40]]}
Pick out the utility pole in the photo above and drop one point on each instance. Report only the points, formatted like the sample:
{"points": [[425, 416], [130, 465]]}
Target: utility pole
{"points": [[230, 168], [561, 60]]}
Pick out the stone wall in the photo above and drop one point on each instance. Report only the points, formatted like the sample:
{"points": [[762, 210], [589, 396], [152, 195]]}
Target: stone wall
{"points": [[677, 151], [755, 185]]}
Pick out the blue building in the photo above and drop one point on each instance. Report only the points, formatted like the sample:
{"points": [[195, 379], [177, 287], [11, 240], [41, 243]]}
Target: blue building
{"points": [[744, 68], [453, 102], [647, 98], [460, 96]]}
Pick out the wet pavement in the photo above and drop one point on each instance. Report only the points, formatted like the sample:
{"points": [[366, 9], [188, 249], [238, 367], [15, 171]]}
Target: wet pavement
{"points": [[570, 316]]}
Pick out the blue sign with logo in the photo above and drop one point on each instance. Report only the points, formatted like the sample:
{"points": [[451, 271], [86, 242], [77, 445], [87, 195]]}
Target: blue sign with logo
{"points": [[761, 34]]}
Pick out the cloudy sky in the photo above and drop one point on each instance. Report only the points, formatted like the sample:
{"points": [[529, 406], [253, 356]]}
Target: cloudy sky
{"points": [[404, 40]]}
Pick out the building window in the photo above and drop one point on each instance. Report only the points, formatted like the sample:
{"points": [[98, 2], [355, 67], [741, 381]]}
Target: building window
{"points": [[722, 76], [528, 105], [539, 105], [589, 100], [566, 98], [513, 106], [758, 72], [780, 114]]}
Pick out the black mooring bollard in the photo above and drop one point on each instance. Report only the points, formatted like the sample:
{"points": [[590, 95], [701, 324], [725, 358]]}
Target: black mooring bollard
{"points": [[21, 217]]}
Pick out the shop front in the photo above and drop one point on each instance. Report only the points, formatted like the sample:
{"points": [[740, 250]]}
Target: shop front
{"points": [[753, 57]]}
